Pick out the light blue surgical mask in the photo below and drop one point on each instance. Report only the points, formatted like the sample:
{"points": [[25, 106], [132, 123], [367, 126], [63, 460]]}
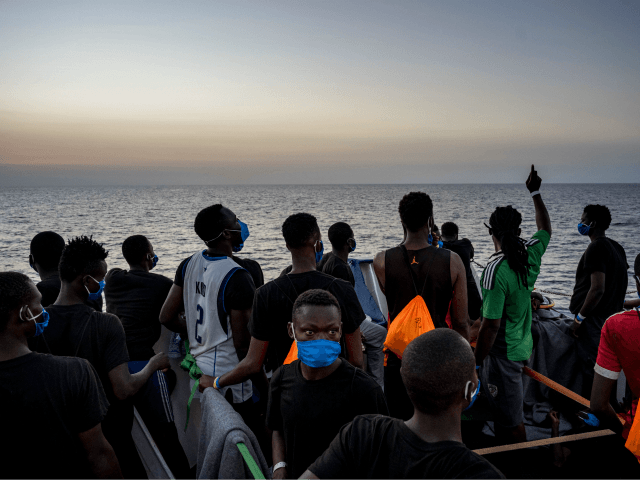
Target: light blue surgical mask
{"points": [[39, 326], [474, 394], [583, 229], [320, 253], [317, 353], [98, 294], [354, 245]]}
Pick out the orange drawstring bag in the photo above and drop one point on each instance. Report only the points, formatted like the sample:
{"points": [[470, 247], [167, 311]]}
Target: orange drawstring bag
{"points": [[412, 321], [633, 440], [292, 356]]}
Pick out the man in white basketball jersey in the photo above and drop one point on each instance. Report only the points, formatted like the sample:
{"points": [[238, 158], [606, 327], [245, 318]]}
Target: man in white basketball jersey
{"points": [[216, 295]]}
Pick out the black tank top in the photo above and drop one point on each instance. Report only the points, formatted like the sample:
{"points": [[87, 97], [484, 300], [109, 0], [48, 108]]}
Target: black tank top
{"points": [[436, 290]]}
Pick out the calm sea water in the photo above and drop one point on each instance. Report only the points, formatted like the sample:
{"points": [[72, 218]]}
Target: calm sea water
{"points": [[165, 215]]}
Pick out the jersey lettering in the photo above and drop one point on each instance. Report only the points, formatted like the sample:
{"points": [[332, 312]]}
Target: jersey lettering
{"points": [[201, 288], [200, 321]]}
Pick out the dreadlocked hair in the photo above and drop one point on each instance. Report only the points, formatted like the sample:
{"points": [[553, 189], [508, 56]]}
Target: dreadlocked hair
{"points": [[505, 222]]}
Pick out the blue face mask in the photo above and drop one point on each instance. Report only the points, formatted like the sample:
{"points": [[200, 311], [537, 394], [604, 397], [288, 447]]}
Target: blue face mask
{"points": [[318, 353], [319, 254], [154, 261], [354, 245], [440, 244], [42, 325], [583, 229], [244, 234], [98, 294], [430, 239], [474, 394]]}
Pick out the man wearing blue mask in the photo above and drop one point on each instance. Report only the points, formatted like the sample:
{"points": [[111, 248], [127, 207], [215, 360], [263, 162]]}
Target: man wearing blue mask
{"points": [[216, 294], [601, 285], [136, 297], [273, 304], [52, 406], [335, 263], [439, 375], [311, 398], [76, 330]]}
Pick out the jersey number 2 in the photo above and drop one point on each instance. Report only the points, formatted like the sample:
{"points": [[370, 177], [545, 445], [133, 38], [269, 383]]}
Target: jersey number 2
{"points": [[200, 321]]}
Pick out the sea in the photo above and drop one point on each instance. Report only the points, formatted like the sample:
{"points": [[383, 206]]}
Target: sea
{"points": [[165, 214]]}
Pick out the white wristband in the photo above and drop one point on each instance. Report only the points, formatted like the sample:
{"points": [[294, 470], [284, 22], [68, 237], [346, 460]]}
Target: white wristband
{"points": [[533, 194], [280, 465]]}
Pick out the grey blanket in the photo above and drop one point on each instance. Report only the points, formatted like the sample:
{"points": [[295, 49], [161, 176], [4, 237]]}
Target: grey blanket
{"points": [[220, 432]]}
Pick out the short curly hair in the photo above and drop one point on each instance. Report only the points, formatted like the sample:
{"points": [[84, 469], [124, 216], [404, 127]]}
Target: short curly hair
{"points": [[599, 214], [81, 256], [15, 291], [339, 233], [46, 248], [298, 228], [415, 210], [314, 297], [210, 222], [134, 248]]}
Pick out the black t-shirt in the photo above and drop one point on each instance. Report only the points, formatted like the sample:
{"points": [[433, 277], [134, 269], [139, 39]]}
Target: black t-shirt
{"points": [[239, 292], [136, 298], [80, 331], [607, 256], [273, 305], [336, 267], [373, 446], [311, 413], [50, 288], [253, 268], [464, 249], [46, 402]]}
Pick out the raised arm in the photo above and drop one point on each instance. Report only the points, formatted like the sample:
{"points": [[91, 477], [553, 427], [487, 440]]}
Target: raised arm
{"points": [[543, 222]]}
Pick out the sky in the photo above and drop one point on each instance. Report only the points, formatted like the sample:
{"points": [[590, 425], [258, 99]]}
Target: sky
{"points": [[217, 92]]}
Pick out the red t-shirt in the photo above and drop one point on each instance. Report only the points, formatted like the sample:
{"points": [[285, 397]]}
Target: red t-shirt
{"points": [[620, 348]]}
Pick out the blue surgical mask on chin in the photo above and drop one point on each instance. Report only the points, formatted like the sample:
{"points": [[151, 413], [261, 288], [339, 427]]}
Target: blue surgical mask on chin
{"points": [[583, 229], [42, 325], [318, 353], [474, 394], [320, 253], [98, 294]]}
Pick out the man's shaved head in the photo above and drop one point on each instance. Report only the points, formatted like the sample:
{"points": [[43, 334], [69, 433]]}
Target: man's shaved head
{"points": [[436, 367]]}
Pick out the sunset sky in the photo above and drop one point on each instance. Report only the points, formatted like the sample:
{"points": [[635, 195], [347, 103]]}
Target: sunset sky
{"points": [[318, 92]]}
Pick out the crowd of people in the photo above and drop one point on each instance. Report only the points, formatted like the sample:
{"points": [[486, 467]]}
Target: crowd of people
{"points": [[327, 392]]}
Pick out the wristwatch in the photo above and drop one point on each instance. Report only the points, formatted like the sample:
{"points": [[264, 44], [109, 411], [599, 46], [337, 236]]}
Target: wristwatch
{"points": [[279, 465]]}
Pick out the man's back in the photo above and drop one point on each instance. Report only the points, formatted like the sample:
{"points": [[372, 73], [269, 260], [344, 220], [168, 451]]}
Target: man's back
{"points": [[464, 249], [274, 303], [336, 267], [607, 256], [431, 272], [44, 422], [80, 331], [136, 298], [374, 446]]}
